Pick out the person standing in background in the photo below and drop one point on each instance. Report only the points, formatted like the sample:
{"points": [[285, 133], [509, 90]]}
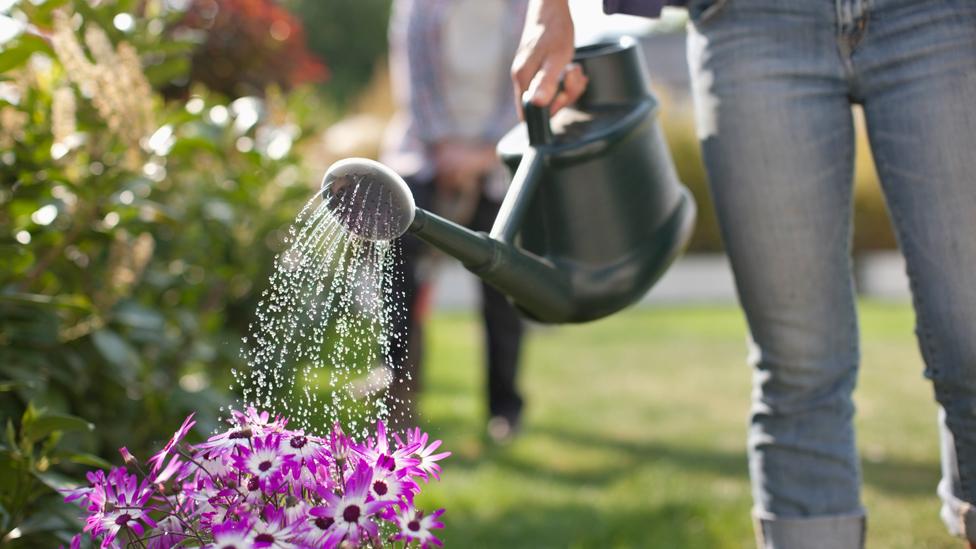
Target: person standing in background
{"points": [[449, 67]]}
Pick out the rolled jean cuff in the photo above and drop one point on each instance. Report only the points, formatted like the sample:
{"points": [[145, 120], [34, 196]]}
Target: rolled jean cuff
{"points": [[835, 531], [958, 516]]}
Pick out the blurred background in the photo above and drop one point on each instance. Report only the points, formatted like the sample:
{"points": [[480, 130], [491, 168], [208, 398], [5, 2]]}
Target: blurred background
{"points": [[152, 156]]}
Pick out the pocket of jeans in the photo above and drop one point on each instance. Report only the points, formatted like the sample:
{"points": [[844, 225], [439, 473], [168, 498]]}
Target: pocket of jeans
{"points": [[701, 12]]}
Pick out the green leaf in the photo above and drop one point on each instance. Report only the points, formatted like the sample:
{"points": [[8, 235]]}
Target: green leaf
{"points": [[118, 353], [56, 481], [90, 460], [16, 54], [40, 522], [60, 302], [137, 316], [161, 74], [44, 425], [11, 435], [4, 519]]}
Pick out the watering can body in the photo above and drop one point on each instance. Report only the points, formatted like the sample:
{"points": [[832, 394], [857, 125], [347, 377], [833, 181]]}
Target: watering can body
{"points": [[595, 213]]}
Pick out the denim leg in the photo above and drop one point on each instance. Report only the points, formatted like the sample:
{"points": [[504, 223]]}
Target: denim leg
{"points": [[917, 69], [777, 138]]}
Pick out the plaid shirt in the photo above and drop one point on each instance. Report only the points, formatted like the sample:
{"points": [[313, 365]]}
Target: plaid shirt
{"points": [[416, 69]]}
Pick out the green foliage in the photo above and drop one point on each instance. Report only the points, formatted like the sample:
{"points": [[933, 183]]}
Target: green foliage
{"points": [[136, 236], [31, 510], [350, 35]]}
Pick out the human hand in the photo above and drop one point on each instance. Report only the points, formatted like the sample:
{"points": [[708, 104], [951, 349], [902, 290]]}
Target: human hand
{"points": [[460, 164], [544, 56]]}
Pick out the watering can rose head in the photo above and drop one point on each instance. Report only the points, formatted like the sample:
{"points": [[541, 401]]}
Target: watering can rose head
{"points": [[370, 199]]}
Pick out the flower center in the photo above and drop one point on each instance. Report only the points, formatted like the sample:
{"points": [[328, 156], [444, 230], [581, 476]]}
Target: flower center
{"points": [[264, 538], [323, 523], [253, 484], [264, 466], [229, 546], [238, 434], [298, 442], [123, 519], [414, 526], [351, 514], [380, 488]]}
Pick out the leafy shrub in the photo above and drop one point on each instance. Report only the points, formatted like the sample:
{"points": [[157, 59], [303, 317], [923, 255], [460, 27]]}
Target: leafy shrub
{"points": [[136, 234]]}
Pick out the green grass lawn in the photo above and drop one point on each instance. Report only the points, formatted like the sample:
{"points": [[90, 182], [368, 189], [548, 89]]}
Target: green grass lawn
{"points": [[634, 434]]}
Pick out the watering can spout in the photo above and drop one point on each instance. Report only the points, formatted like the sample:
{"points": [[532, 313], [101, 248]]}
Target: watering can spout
{"points": [[375, 203]]}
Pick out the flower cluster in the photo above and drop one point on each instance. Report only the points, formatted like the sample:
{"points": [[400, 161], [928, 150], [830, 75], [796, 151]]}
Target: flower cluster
{"points": [[261, 485]]}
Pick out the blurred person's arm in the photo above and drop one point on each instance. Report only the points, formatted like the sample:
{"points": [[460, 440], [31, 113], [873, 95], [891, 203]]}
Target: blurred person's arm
{"points": [[506, 115], [416, 61], [415, 64]]}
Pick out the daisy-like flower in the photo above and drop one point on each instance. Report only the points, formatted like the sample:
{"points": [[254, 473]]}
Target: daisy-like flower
{"points": [[264, 462], [373, 449], [224, 444], [339, 444], [232, 533], [305, 452], [388, 484], [415, 526], [259, 422], [157, 459], [95, 478], [176, 470], [426, 466], [117, 504], [169, 534], [352, 513], [261, 486], [274, 530]]}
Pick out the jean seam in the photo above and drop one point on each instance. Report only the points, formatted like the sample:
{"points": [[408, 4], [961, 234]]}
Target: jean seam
{"points": [[926, 338]]}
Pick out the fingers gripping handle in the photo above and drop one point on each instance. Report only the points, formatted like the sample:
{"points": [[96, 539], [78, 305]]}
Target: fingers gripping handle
{"points": [[537, 122]]}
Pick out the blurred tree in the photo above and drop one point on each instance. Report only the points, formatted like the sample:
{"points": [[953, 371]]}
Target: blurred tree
{"points": [[350, 35], [245, 46]]}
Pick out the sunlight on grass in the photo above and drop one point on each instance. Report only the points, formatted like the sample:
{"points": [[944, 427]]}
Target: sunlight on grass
{"points": [[634, 434]]}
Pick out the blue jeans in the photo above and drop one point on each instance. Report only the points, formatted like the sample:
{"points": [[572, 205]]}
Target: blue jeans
{"points": [[774, 81]]}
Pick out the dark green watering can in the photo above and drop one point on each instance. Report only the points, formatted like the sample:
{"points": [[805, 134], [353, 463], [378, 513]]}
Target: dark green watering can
{"points": [[595, 213]]}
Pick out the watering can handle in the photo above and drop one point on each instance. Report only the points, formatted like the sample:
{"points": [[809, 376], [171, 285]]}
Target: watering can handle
{"points": [[537, 122], [515, 206]]}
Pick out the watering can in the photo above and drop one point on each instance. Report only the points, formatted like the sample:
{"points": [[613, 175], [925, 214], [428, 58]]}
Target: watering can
{"points": [[595, 213]]}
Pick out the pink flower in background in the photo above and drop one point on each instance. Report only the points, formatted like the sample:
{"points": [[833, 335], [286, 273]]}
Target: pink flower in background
{"points": [[425, 454]]}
